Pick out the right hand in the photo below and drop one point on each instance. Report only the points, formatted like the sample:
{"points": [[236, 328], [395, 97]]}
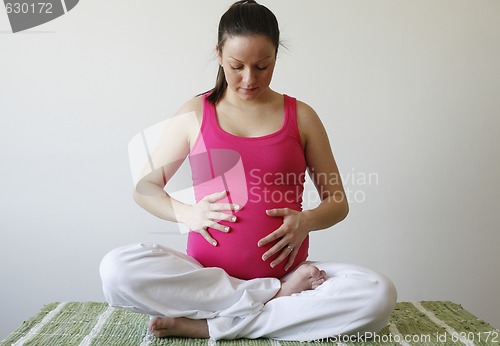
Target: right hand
{"points": [[207, 213]]}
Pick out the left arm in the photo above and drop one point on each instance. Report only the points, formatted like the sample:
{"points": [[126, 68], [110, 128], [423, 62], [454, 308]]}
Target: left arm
{"points": [[326, 177]]}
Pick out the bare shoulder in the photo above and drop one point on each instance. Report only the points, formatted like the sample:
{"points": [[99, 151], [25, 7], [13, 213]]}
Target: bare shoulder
{"points": [[188, 117], [194, 104], [309, 122]]}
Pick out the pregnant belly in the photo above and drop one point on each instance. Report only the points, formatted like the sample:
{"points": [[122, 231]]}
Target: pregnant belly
{"points": [[237, 251]]}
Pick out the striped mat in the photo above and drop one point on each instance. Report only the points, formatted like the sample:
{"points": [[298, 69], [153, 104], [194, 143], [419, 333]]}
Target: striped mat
{"points": [[92, 323]]}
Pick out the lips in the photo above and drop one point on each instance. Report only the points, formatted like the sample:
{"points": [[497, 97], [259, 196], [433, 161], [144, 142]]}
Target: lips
{"points": [[248, 90]]}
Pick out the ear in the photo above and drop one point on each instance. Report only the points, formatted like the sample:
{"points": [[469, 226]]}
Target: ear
{"points": [[219, 54]]}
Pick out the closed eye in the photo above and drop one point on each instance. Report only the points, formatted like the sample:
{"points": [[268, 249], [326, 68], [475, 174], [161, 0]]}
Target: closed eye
{"points": [[237, 68]]}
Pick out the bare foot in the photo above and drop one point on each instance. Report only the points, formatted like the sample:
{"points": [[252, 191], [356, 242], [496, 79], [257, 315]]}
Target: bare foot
{"points": [[162, 326], [305, 277], [183, 327]]}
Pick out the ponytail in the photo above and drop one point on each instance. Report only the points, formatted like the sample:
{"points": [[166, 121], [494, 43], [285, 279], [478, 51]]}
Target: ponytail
{"points": [[220, 87]]}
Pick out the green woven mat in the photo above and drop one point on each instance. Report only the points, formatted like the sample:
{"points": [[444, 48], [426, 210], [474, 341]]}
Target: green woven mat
{"points": [[91, 323]]}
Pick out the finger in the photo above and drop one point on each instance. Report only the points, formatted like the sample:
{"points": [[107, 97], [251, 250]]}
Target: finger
{"points": [[274, 250], [271, 237], [214, 197], [207, 236], [224, 206], [219, 227], [286, 252], [222, 217], [291, 259], [277, 212]]}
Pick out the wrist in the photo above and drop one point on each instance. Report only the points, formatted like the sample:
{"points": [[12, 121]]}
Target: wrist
{"points": [[307, 220], [181, 211]]}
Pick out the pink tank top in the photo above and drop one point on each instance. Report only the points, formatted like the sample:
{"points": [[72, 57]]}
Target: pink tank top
{"points": [[259, 173]]}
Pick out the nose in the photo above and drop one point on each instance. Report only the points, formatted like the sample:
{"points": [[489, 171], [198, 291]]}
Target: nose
{"points": [[249, 77]]}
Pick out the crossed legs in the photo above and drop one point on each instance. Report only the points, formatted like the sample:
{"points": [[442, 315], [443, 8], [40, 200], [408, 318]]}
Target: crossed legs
{"points": [[305, 277], [186, 300]]}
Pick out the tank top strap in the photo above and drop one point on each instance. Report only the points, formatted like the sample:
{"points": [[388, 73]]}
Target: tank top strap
{"points": [[209, 117], [291, 117]]}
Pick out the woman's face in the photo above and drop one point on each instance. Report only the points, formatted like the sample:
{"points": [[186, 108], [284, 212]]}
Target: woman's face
{"points": [[248, 63]]}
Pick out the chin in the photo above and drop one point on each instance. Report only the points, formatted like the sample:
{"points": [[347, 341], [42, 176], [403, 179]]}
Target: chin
{"points": [[249, 95]]}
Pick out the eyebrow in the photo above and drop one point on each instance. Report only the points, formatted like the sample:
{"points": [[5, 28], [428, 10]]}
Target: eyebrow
{"points": [[267, 57]]}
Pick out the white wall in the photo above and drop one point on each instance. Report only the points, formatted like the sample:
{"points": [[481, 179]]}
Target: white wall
{"points": [[408, 90]]}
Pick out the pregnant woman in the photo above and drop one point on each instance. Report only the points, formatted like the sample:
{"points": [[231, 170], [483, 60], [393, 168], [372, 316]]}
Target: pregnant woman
{"points": [[245, 274]]}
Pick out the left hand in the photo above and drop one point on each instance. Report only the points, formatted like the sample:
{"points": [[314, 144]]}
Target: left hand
{"points": [[289, 236]]}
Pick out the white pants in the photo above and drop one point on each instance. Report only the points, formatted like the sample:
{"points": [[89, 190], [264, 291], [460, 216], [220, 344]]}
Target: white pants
{"points": [[158, 281]]}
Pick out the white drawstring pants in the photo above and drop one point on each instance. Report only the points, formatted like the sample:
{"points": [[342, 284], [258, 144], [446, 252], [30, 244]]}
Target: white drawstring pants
{"points": [[158, 281]]}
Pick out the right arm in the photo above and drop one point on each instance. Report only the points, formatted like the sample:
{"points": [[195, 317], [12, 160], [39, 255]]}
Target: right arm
{"points": [[174, 146]]}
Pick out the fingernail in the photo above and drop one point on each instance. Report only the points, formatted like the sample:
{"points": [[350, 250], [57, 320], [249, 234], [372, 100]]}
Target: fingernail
{"points": [[236, 207], [226, 229], [214, 243], [259, 244], [264, 258], [273, 265], [233, 218]]}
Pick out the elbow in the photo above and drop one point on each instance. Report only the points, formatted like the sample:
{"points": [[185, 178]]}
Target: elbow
{"points": [[346, 208], [342, 207], [136, 196]]}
